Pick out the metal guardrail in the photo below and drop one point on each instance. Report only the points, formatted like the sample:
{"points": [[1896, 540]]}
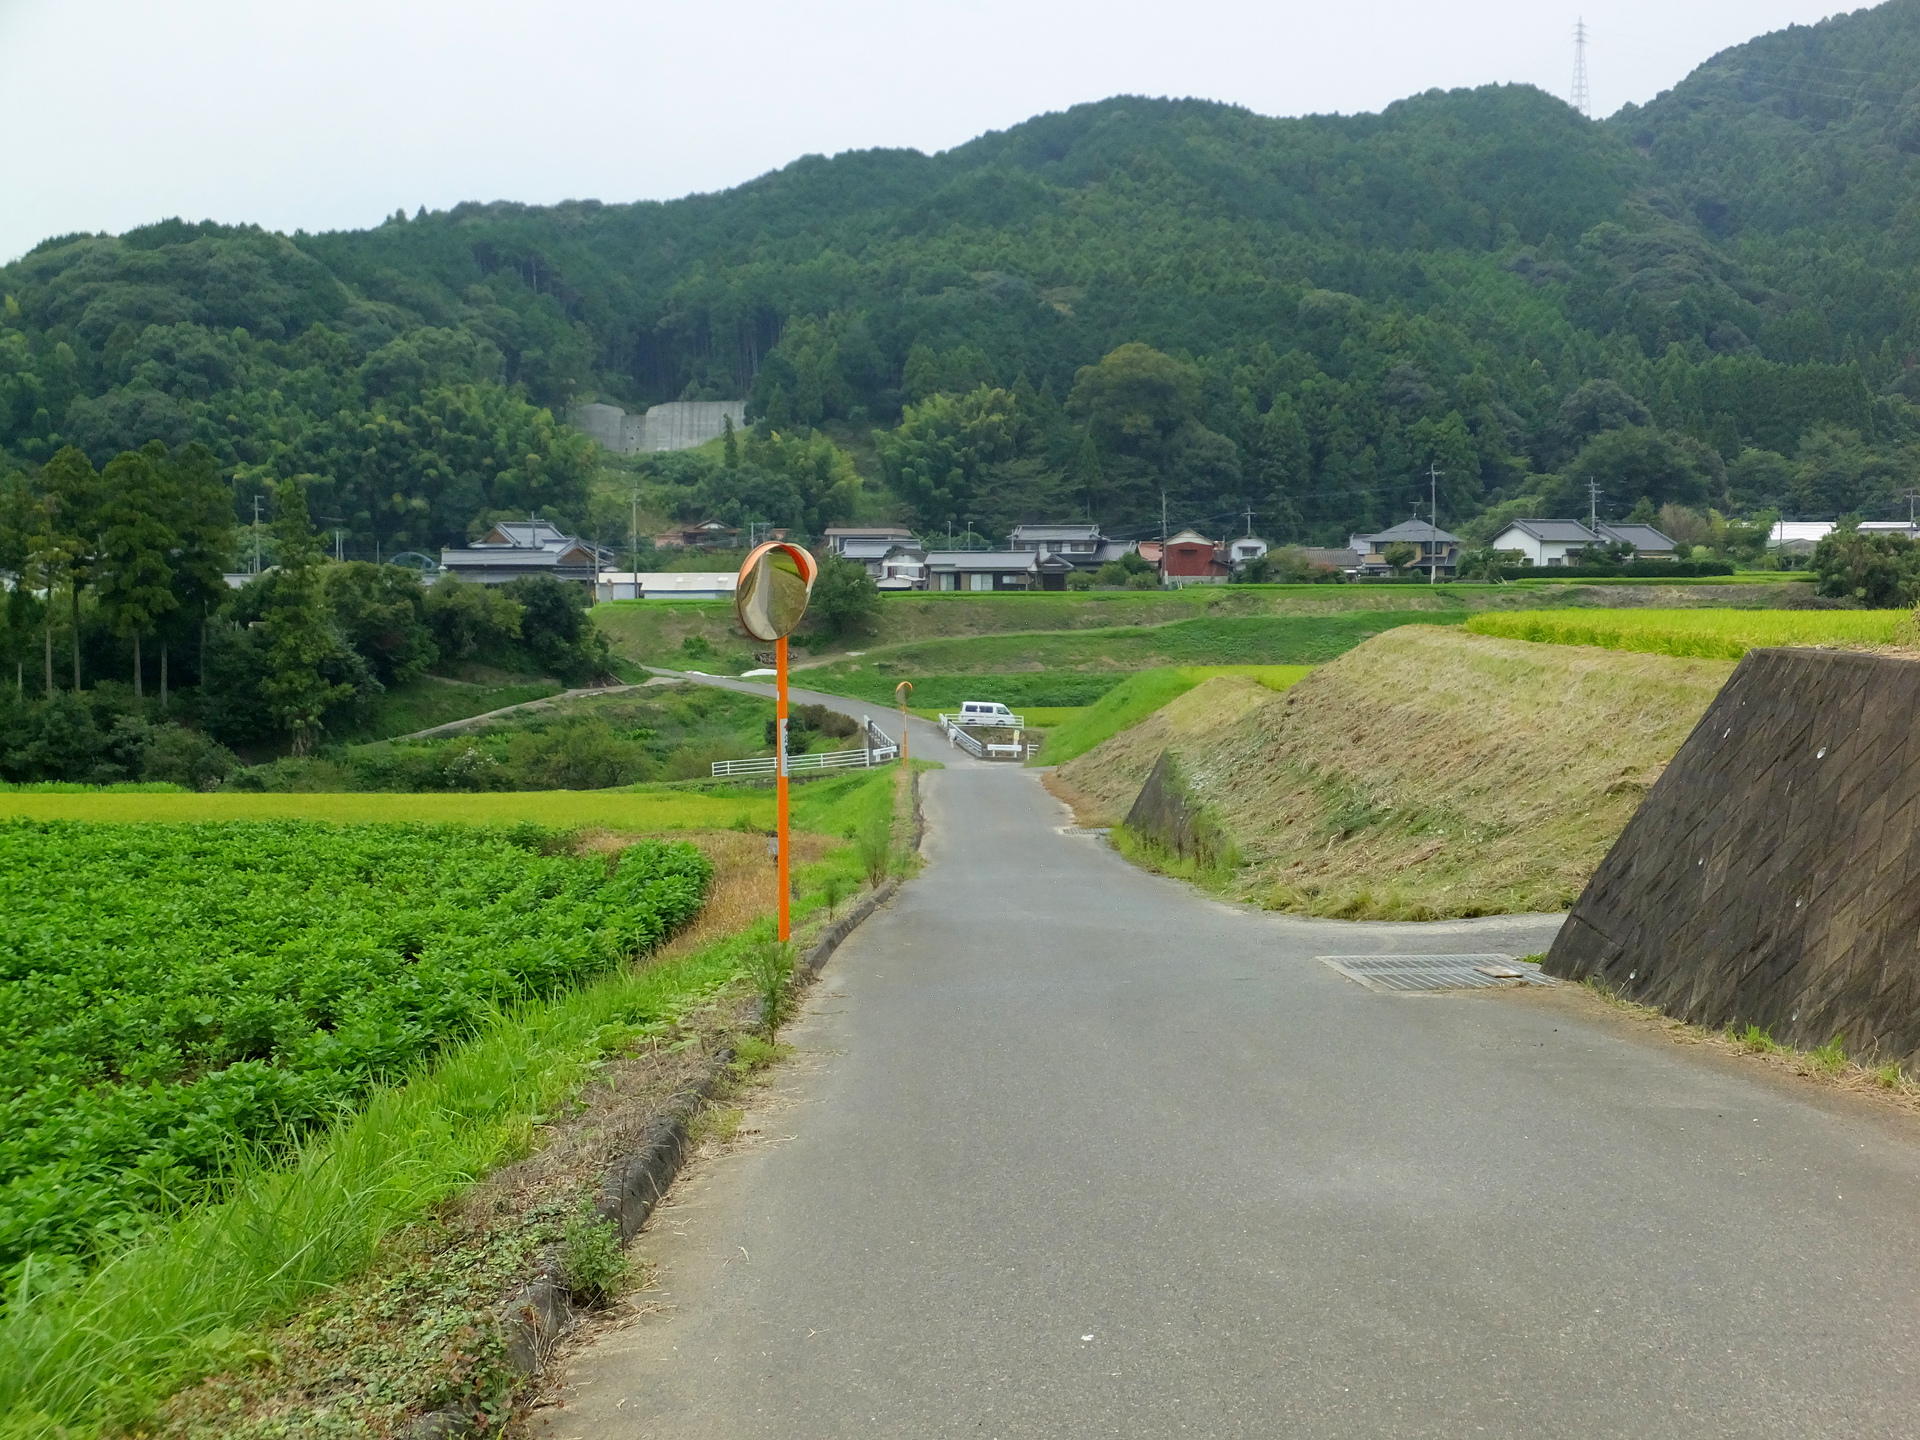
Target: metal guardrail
{"points": [[880, 749], [1020, 748]]}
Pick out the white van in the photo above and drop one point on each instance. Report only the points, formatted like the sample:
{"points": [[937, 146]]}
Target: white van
{"points": [[984, 712]]}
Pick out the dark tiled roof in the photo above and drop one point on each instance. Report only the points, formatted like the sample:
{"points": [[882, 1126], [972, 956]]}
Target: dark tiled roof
{"points": [[1641, 537], [1555, 532], [1418, 531]]}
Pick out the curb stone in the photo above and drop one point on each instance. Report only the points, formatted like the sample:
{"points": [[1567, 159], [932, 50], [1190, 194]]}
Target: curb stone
{"points": [[535, 1318]]}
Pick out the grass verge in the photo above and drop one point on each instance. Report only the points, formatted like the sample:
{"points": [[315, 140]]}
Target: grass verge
{"points": [[1827, 1064]]}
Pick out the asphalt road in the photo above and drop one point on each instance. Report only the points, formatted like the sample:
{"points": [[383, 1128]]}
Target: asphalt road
{"points": [[1070, 1150]]}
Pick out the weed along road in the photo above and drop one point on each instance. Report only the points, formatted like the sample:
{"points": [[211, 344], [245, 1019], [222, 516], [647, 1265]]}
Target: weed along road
{"points": [[1071, 1150]]}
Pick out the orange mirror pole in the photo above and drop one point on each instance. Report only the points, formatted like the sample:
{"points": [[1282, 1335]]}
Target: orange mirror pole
{"points": [[780, 783], [900, 693], [769, 599]]}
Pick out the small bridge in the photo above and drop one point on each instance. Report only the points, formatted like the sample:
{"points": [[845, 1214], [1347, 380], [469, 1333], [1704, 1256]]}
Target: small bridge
{"points": [[877, 748]]}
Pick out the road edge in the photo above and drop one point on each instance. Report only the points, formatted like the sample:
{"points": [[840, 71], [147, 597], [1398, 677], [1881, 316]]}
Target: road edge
{"points": [[536, 1317]]}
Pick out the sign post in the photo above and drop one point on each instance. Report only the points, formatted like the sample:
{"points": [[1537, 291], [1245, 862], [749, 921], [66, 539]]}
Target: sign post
{"points": [[900, 693], [769, 600]]}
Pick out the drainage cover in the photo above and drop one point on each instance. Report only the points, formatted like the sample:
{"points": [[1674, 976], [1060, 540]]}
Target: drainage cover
{"points": [[1403, 974], [1084, 830]]}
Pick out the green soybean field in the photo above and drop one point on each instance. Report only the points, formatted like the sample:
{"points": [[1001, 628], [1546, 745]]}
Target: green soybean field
{"points": [[177, 998]]}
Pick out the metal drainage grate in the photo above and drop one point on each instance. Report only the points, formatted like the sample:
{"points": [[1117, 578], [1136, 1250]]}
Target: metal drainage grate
{"points": [[1085, 830], [1405, 974]]}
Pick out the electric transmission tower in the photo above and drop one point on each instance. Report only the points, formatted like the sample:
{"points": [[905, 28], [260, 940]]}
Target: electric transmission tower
{"points": [[1580, 100]]}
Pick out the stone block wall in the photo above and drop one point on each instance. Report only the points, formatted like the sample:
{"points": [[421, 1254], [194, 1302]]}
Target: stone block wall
{"points": [[1771, 877]]}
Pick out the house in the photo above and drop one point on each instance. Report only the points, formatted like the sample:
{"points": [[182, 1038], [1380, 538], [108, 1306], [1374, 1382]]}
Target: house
{"points": [[1245, 548], [1436, 552], [708, 534], [840, 537], [904, 567], [1647, 542], [1341, 558], [877, 553], [1562, 542], [1079, 544], [1190, 558], [515, 548], [1546, 542], [996, 570]]}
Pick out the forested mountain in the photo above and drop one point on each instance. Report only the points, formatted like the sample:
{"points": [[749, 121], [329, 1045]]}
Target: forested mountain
{"points": [[1708, 300]]}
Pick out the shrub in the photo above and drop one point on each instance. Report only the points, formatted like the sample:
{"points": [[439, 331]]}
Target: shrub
{"points": [[1880, 571], [577, 754]]}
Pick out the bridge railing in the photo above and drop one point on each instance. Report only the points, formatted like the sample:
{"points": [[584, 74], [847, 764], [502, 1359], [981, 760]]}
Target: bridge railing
{"points": [[1019, 748], [878, 749]]}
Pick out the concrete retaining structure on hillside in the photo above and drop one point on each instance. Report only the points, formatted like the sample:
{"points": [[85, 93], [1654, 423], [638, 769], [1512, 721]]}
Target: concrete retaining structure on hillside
{"points": [[1769, 878]]}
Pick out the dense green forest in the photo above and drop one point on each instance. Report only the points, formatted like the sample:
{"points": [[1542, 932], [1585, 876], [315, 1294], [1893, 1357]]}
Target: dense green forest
{"points": [[1709, 300]]}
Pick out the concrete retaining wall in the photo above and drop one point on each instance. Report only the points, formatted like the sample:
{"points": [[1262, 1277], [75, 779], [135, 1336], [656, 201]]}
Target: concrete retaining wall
{"points": [[1772, 875], [677, 425]]}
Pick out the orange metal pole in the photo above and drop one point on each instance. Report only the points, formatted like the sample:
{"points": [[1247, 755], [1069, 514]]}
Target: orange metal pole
{"points": [[780, 785]]}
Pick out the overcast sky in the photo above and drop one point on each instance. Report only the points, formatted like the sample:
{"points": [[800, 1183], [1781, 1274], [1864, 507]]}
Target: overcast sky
{"points": [[296, 114]]}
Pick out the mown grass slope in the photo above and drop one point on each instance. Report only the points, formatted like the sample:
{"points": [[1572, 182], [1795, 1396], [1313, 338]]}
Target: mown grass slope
{"points": [[1139, 696], [1428, 773]]}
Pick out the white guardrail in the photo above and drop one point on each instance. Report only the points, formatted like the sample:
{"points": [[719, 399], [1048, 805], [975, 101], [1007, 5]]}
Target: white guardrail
{"points": [[879, 749], [1019, 748]]}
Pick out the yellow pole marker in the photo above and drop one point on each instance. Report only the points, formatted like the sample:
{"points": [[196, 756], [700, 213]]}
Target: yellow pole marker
{"points": [[769, 599], [900, 693]]}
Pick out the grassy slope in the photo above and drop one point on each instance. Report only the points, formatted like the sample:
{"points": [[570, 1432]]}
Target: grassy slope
{"points": [[1137, 697], [1251, 640], [431, 700], [1427, 773], [166, 1310], [651, 632]]}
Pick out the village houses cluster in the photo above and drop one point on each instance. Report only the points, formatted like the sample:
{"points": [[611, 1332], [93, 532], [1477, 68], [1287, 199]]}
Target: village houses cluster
{"points": [[1035, 557]]}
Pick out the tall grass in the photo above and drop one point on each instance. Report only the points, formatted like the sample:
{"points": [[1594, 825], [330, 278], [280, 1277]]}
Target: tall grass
{"points": [[85, 1351], [1139, 696], [1699, 634]]}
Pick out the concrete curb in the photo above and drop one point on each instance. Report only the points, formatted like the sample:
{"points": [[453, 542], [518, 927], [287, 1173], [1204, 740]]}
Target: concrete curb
{"points": [[537, 1316]]}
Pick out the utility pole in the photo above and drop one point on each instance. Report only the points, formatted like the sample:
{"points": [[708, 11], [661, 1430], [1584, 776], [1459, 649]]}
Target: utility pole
{"points": [[1580, 98], [256, 534], [1912, 495], [1434, 472], [1593, 507], [633, 532], [1249, 515]]}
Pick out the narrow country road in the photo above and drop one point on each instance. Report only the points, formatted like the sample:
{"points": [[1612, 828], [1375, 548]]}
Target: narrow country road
{"points": [[1070, 1150]]}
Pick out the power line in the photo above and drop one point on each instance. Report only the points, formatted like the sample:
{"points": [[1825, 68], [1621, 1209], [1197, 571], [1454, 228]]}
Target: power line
{"points": [[1580, 98]]}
